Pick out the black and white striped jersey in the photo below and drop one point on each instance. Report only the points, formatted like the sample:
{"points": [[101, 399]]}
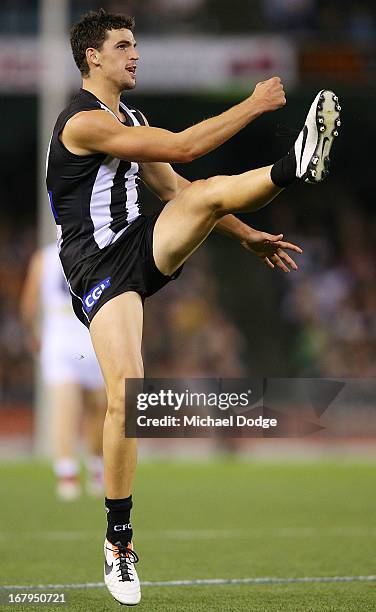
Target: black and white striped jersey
{"points": [[94, 198]]}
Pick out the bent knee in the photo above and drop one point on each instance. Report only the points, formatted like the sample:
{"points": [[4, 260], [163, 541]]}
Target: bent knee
{"points": [[207, 193]]}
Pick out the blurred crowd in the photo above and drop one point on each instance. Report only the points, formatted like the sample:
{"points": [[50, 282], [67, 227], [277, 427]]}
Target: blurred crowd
{"points": [[356, 20], [331, 304], [188, 333], [16, 367], [328, 311]]}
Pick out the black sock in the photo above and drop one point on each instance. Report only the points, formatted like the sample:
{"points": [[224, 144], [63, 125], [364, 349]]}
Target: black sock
{"points": [[119, 528], [283, 173]]}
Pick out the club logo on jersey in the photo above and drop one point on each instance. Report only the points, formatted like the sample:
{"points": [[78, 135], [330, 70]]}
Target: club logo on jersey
{"points": [[91, 298]]}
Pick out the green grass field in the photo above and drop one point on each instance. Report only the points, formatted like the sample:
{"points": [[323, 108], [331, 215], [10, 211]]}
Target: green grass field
{"points": [[224, 519]]}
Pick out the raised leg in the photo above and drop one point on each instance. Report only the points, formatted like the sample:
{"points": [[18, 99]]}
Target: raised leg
{"points": [[188, 219]]}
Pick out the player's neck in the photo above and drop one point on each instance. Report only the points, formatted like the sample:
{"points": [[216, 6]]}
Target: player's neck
{"points": [[110, 97]]}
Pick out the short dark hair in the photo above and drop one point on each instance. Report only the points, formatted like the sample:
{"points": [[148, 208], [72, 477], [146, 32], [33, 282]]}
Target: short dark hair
{"points": [[91, 31]]}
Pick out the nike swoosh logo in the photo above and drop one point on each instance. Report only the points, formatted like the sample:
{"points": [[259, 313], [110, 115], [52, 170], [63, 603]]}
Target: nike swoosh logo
{"points": [[305, 134], [107, 567]]}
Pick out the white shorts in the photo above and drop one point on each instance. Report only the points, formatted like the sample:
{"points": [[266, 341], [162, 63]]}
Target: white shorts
{"points": [[67, 359]]}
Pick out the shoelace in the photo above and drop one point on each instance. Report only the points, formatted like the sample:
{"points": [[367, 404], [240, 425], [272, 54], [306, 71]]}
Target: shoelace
{"points": [[126, 557]]}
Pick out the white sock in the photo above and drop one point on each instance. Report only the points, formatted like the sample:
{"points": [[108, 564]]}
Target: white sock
{"points": [[94, 465], [66, 467]]}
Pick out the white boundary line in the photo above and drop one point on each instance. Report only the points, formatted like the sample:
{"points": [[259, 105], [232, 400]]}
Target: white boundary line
{"points": [[204, 582], [209, 534]]}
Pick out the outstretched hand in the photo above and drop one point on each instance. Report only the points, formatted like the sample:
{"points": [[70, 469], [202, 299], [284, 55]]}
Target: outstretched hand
{"points": [[271, 249]]}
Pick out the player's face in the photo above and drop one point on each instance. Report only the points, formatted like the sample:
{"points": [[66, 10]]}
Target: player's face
{"points": [[118, 58]]}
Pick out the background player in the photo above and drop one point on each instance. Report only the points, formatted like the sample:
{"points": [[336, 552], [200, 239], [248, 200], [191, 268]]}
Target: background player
{"points": [[70, 371]]}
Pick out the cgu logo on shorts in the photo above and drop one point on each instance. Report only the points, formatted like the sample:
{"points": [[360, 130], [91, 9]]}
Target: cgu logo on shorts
{"points": [[91, 298]]}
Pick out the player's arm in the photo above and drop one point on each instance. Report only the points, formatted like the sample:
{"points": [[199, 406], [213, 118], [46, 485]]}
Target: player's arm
{"points": [[270, 248], [99, 132], [29, 302], [161, 178]]}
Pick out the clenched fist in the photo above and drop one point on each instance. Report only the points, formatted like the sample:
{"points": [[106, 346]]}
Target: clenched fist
{"points": [[269, 95]]}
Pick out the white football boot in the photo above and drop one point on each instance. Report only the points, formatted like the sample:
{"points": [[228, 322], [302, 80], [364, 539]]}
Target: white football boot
{"points": [[120, 575], [95, 485], [68, 489], [314, 142]]}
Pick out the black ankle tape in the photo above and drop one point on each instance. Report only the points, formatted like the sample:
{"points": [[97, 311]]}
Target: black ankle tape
{"points": [[119, 528], [125, 503], [283, 173]]}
